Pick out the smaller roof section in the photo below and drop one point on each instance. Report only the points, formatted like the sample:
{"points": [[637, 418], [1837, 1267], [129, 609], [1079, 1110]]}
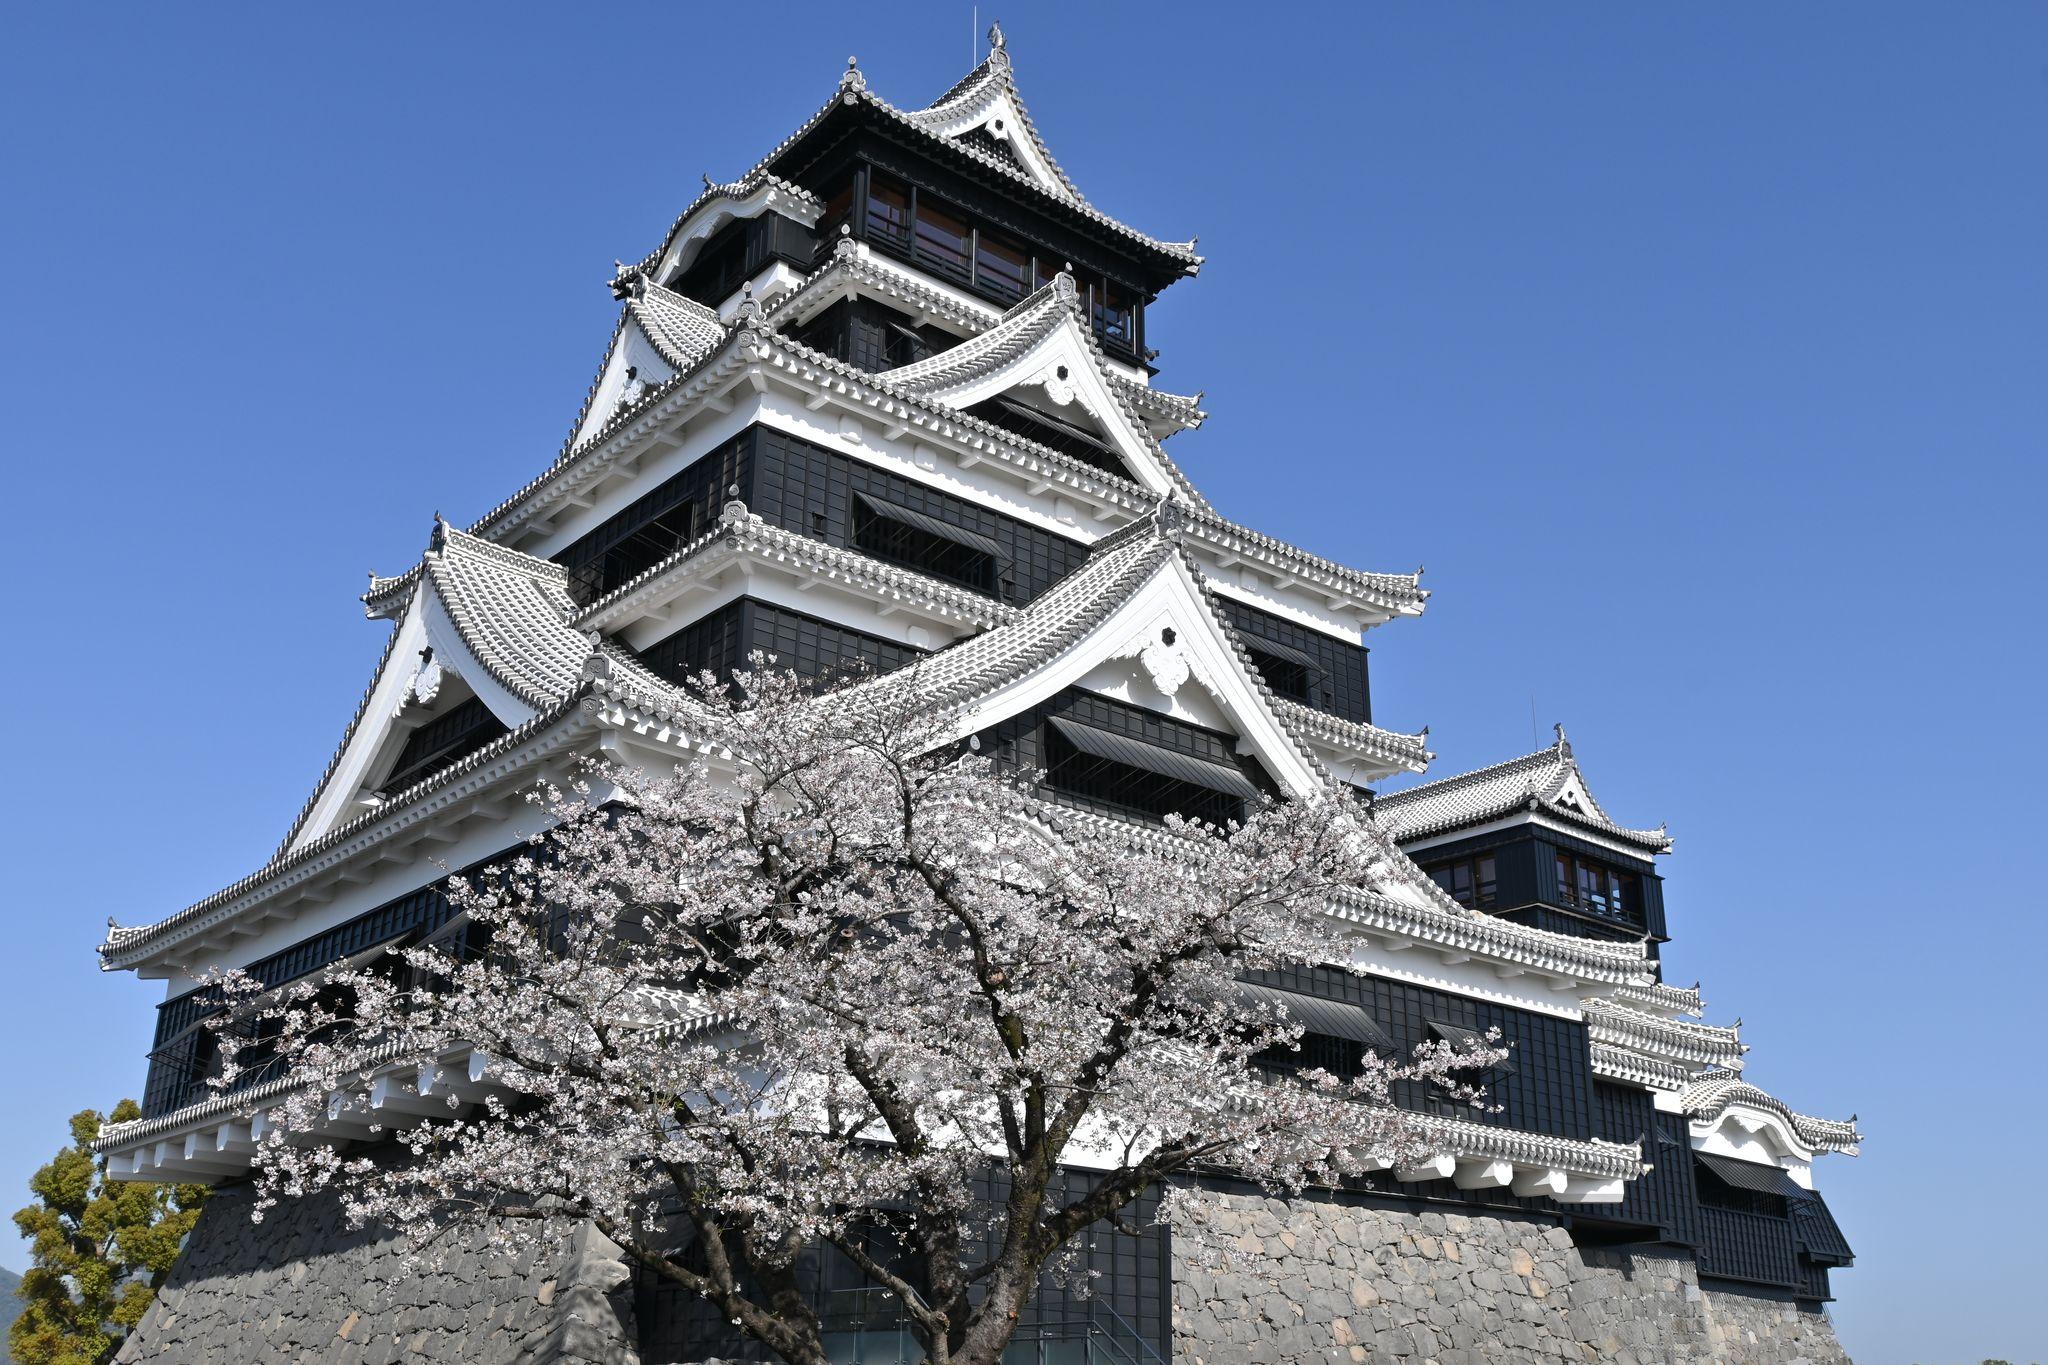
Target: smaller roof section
{"points": [[1547, 782], [1044, 352], [1718, 1091], [660, 335], [985, 109]]}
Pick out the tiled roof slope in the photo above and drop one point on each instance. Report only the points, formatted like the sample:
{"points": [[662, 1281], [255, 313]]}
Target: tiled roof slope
{"points": [[982, 87], [1548, 780], [682, 329], [1030, 321], [853, 90], [1708, 1097], [513, 612]]}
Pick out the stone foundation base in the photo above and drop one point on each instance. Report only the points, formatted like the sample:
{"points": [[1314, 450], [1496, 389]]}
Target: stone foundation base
{"points": [[1315, 1282], [299, 1287], [1323, 1282]]}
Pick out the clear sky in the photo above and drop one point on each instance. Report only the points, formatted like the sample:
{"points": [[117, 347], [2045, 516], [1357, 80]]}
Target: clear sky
{"points": [[1701, 352]]}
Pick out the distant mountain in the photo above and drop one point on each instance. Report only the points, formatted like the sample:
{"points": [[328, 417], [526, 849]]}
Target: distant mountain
{"points": [[10, 1305]]}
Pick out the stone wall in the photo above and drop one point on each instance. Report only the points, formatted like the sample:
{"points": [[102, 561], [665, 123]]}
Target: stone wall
{"points": [[299, 1287], [1340, 1283], [1313, 1282]]}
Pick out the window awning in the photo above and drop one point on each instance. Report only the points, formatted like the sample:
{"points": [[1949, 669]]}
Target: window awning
{"points": [[1154, 758], [931, 526], [1751, 1175], [1817, 1230], [1332, 1018], [1262, 645]]}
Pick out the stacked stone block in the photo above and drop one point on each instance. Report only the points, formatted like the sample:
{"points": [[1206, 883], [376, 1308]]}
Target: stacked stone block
{"points": [[1312, 1281], [300, 1287]]}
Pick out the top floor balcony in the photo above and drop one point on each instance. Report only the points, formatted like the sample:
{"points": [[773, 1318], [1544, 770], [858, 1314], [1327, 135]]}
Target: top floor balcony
{"points": [[965, 250]]}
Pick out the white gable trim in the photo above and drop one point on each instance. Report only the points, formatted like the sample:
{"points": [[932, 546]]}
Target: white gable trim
{"points": [[1000, 115], [1745, 1133], [1200, 656], [426, 623], [1064, 365], [631, 351], [334, 803]]}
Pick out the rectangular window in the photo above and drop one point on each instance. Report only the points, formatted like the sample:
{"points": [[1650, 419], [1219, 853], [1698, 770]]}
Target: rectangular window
{"points": [[1599, 890], [1469, 881], [942, 241], [888, 212], [1000, 268], [1115, 316], [924, 543], [1141, 778]]}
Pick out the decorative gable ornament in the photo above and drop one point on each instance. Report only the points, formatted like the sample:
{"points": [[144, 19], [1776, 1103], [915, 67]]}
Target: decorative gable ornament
{"points": [[424, 684], [1058, 382], [1166, 663], [1163, 655]]}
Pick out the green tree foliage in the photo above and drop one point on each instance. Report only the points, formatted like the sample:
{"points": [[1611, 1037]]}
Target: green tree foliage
{"points": [[100, 1248]]}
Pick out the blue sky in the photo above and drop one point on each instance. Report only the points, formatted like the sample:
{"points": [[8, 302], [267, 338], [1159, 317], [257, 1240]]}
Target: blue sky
{"points": [[1698, 351]]}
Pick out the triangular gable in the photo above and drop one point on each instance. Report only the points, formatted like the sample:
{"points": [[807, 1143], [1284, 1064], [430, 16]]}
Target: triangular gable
{"points": [[660, 334], [426, 648], [1044, 347], [986, 105], [1137, 623], [1162, 648], [492, 617], [1571, 795], [1547, 782]]}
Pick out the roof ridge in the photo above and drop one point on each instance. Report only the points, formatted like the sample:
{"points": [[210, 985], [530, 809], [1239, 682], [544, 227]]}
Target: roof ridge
{"points": [[1530, 761]]}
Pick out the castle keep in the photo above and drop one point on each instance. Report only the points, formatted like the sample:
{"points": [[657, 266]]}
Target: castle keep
{"points": [[886, 399]]}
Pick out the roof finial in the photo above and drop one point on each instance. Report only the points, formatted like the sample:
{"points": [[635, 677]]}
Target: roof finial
{"points": [[851, 80], [439, 539], [1564, 746], [628, 281], [709, 183]]}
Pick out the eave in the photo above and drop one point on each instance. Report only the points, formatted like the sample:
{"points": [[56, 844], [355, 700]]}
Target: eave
{"points": [[856, 270], [752, 194], [743, 538], [421, 814], [1706, 1100], [757, 357], [1339, 742], [1677, 1040]]}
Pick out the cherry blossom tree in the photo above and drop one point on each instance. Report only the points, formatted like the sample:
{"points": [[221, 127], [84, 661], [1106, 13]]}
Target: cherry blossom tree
{"points": [[802, 996]]}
